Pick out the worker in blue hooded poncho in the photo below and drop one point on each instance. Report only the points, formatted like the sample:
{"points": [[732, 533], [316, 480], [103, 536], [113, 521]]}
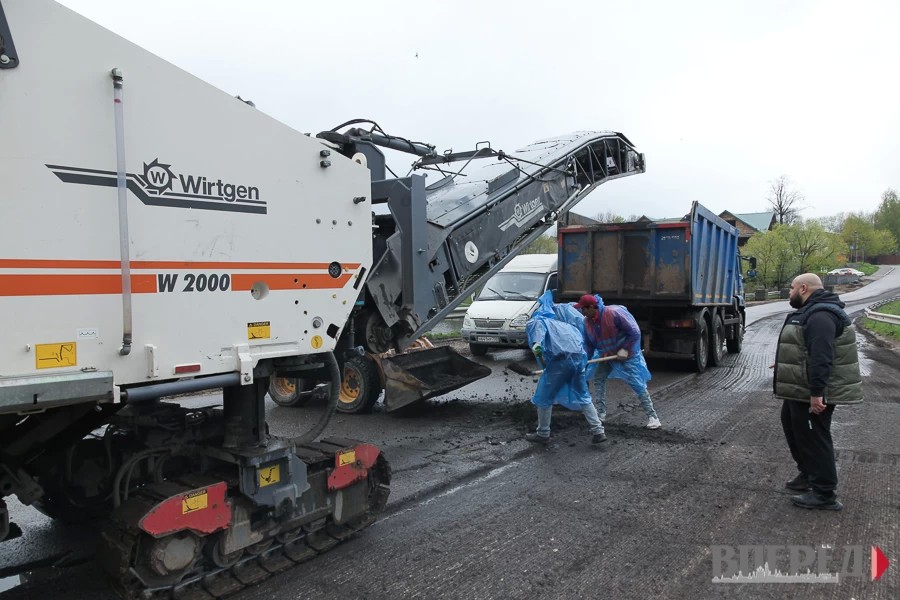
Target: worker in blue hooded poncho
{"points": [[560, 345], [608, 330]]}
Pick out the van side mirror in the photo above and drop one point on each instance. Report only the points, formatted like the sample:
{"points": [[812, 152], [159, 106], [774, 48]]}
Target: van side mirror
{"points": [[752, 263]]}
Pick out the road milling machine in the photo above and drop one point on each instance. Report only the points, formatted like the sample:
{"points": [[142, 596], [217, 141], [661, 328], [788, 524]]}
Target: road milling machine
{"points": [[160, 237]]}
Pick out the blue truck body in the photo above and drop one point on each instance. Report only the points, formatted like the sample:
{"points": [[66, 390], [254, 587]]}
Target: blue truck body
{"points": [[680, 278]]}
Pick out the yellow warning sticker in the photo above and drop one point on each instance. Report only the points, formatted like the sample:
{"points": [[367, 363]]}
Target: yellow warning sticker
{"points": [[316, 341], [347, 457], [52, 356], [269, 475], [259, 331], [194, 501]]}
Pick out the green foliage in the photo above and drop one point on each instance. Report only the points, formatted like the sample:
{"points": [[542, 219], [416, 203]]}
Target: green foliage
{"points": [[772, 254], [788, 250], [811, 246], [867, 268], [885, 329], [863, 239], [450, 335], [545, 244], [888, 214], [833, 223]]}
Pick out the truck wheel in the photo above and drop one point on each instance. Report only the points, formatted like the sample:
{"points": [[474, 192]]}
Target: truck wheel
{"points": [[701, 347], [288, 391], [717, 342], [478, 349], [360, 386], [734, 345]]}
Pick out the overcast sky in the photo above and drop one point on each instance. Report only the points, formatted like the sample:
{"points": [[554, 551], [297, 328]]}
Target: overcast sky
{"points": [[721, 96]]}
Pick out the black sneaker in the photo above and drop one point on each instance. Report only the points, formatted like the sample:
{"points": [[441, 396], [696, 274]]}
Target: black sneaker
{"points": [[817, 501], [598, 438], [537, 439], [800, 483]]}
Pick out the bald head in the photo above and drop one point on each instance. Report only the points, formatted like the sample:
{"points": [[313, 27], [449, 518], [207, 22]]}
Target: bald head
{"points": [[810, 280], [803, 287]]}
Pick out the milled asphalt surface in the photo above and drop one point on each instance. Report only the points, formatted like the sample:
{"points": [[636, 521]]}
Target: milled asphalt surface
{"points": [[476, 512]]}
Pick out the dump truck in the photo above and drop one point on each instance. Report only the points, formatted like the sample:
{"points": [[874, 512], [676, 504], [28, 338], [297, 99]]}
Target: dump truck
{"points": [[161, 237], [680, 278]]}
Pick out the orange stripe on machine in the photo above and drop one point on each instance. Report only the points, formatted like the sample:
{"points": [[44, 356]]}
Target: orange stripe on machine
{"points": [[281, 281], [88, 284]]}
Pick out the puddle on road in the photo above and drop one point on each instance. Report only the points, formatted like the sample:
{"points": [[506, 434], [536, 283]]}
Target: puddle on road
{"points": [[866, 347], [8, 583]]}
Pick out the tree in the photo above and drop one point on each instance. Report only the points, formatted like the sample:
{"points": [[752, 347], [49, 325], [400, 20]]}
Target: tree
{"points": [[773, 256], [811, 246], [863, 239], [833, 223], [888, 214], [785, 199], [546, 244], [609, 216]]}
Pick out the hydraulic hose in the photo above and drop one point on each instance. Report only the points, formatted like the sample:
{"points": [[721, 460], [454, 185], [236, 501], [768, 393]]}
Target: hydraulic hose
{"points": [[316, 430]]}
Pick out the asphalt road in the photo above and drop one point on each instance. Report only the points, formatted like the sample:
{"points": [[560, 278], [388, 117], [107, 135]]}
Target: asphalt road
{"points": [[476, 512]]}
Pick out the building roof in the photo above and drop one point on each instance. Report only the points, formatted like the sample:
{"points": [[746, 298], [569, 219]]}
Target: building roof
{"points": [[759, 221], [577, 219]]}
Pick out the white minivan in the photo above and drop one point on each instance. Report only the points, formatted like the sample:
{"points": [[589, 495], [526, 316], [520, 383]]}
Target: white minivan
{"points": [[497, 316]]}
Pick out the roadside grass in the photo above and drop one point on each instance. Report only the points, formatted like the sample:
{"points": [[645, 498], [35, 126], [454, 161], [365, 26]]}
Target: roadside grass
{"points": [[885, 329], [443, 336], [867, 268]]}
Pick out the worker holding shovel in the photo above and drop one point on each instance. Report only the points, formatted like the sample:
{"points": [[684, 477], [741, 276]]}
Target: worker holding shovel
{"points": [[611, 331], [559, 345]]}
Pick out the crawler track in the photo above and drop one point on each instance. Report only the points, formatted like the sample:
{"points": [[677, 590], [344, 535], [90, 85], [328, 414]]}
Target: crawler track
{"points": [[125, 550]]}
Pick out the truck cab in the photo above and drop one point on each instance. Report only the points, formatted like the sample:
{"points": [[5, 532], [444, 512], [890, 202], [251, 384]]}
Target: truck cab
{"points": [[501, 308]]}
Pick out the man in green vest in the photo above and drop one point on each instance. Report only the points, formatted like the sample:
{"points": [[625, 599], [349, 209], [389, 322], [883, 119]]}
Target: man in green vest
{"points": [[816, 368]]}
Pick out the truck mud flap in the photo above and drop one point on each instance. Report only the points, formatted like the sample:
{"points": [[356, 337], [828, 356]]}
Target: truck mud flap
{"points": [[425, 374]]}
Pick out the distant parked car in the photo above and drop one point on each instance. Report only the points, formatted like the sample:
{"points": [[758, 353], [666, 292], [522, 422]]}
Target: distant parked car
{"points": [[846, 271]]}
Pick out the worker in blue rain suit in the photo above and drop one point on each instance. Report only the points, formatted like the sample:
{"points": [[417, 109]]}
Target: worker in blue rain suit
{"points": [[607, 331], [563, 382]]}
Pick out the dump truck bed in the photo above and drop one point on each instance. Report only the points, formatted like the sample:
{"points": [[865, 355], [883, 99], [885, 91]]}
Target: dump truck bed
{"points": [[685, 261]]}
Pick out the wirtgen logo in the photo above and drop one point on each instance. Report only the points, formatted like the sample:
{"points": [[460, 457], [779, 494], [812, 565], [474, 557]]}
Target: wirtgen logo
{"points": [[522, 213], [159, 185]]}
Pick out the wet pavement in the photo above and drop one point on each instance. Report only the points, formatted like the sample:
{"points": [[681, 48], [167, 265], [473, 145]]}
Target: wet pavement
{"points": [[476, 512]]}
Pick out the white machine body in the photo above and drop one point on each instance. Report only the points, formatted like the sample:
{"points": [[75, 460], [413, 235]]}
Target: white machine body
{"points": [[246, 239]]}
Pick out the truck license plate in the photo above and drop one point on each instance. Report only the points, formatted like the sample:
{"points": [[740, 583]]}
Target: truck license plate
{"points": [[488, 338]]}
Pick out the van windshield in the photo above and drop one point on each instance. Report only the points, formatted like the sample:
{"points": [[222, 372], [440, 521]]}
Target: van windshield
{"points": [[513, 286]]}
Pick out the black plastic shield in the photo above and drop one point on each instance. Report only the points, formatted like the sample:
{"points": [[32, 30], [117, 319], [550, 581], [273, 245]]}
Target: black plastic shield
{"points": [[9, 58]]}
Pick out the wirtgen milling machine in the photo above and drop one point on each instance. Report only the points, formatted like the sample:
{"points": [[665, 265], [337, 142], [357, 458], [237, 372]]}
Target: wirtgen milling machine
{"points": [[159, 236]]}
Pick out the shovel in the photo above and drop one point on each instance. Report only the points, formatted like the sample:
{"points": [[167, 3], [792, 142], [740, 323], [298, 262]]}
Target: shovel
{"points": [[519, 368]]}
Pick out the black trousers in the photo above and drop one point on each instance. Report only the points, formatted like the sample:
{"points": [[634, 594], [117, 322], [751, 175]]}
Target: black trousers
{"points": [[809, 438]]}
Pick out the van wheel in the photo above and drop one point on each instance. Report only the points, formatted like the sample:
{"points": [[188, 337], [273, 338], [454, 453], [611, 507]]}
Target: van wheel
{"points": [[734, 346], [717, 342], [701, 347], [478, 349]]}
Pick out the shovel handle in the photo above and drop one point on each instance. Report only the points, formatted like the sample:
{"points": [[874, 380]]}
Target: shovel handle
{"points": [[590, 362]]}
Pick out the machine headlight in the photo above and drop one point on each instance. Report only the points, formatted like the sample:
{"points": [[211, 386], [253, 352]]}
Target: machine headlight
{"points": [[519, 321], [468, 323]]}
